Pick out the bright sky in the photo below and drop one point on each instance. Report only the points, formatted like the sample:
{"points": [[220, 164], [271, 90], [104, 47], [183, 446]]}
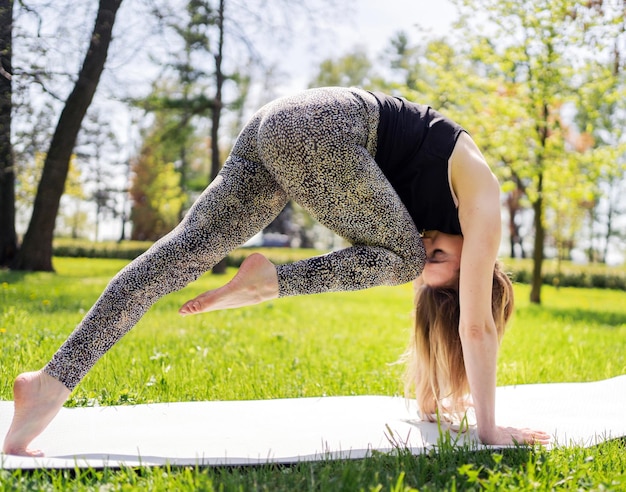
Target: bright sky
{"points": [[373, 26], [377, 20]]}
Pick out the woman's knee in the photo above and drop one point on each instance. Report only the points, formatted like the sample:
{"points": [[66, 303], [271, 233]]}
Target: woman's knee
{"points": [[412, 262]]}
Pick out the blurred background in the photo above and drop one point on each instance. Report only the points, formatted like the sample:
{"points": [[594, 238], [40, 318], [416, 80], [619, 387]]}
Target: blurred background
{"points": [[116, 114]]}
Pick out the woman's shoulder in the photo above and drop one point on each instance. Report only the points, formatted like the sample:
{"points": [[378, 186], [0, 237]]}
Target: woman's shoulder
{"points": [[469, 169]]}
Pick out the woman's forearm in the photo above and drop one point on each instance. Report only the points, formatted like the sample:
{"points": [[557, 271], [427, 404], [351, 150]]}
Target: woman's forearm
{"points": [[480, 350]]}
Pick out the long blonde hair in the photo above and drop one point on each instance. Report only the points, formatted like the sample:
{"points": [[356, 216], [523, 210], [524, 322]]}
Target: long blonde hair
{"points": [[435, 372]]}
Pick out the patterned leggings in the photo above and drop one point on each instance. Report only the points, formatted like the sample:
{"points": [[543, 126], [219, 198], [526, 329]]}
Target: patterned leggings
{"points": [[315, 148]]}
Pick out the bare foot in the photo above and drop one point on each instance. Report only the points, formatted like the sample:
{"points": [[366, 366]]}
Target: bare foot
{"points": [[256, 281], [38, 397]]}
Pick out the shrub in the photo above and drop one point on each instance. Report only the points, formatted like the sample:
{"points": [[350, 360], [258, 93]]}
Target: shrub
{"points": [[129, 250], [80, 248], [569, 274], [566, 275]]}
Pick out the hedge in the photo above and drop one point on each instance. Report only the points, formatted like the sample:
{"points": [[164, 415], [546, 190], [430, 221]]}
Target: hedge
{"points": [[79, 248], [129, 250], [570, 275]]}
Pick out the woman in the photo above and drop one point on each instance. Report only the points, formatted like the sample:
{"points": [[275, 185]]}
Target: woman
{"points": [[435, 370], [378, 171]]}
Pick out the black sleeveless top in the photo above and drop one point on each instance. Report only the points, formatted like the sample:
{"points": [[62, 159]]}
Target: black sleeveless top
{"points": [[414, 145]]}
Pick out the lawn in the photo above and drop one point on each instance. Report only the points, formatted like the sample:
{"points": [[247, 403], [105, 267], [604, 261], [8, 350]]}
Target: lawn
{"points": [[332, 344]]}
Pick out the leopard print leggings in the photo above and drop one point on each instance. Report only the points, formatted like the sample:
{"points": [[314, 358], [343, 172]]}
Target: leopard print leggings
{"points": [[315, 148]]}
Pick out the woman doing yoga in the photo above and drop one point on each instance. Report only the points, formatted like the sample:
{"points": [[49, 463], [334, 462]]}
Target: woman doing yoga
{"points": [[406, 187]]}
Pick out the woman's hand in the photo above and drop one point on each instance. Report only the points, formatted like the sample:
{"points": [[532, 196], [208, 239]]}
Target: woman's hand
{"points": [[511, 435]]}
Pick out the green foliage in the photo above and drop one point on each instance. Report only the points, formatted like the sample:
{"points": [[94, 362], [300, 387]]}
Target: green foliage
{"points": [[77, 248], [157, 198], [345, 349], [156, 193], [30, 169], [352, 69], [528, 81], [567, 274], [563, 274], [129, 250]]}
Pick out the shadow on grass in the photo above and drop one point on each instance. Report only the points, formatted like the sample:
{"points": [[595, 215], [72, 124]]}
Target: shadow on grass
{"points": [[447, 468], [609, 319], [12, 276], [592, 317]]}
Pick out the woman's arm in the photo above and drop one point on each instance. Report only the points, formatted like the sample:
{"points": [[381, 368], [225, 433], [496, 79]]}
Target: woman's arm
{"points": [[478, 193]]}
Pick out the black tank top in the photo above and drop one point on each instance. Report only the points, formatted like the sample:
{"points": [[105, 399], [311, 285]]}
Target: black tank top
{"points": [[415, 143]]}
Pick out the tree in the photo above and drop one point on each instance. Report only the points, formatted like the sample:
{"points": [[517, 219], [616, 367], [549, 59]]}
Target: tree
{"points": [[8, 236], [157, 197], [96, 151], [214, 73], [601, 119], [509, 83], [155, 191], [351, 69], [73, 219], [36, 250], [177, 136], [466, 87], [532, 50], [29, 150], [203, 33]]}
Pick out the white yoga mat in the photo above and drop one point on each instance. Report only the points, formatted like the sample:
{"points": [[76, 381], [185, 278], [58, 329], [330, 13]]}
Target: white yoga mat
{"points": [[303, 429]]}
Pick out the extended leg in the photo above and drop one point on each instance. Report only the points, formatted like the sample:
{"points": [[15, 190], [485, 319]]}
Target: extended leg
{"points": [[239, 203]]}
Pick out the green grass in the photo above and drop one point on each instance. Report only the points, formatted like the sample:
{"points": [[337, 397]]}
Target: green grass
{"points": [[333, 344]]}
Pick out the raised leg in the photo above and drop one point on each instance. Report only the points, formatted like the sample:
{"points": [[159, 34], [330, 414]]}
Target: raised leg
{"points": [[322, 156], [256, 281]]}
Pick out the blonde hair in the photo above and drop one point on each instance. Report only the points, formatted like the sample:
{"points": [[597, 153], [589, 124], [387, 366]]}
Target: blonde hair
{"points": [[435, 372]]}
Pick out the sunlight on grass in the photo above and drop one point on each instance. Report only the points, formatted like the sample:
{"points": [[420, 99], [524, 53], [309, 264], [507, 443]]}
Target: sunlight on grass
{"points": [[575, 335], [332, 344]]}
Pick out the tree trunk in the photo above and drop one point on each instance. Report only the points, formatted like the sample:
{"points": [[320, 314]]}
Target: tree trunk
{"points": [[36, 250], [535, 292], [216, 113], [609, 221], [8, 237], [513, 205]]}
